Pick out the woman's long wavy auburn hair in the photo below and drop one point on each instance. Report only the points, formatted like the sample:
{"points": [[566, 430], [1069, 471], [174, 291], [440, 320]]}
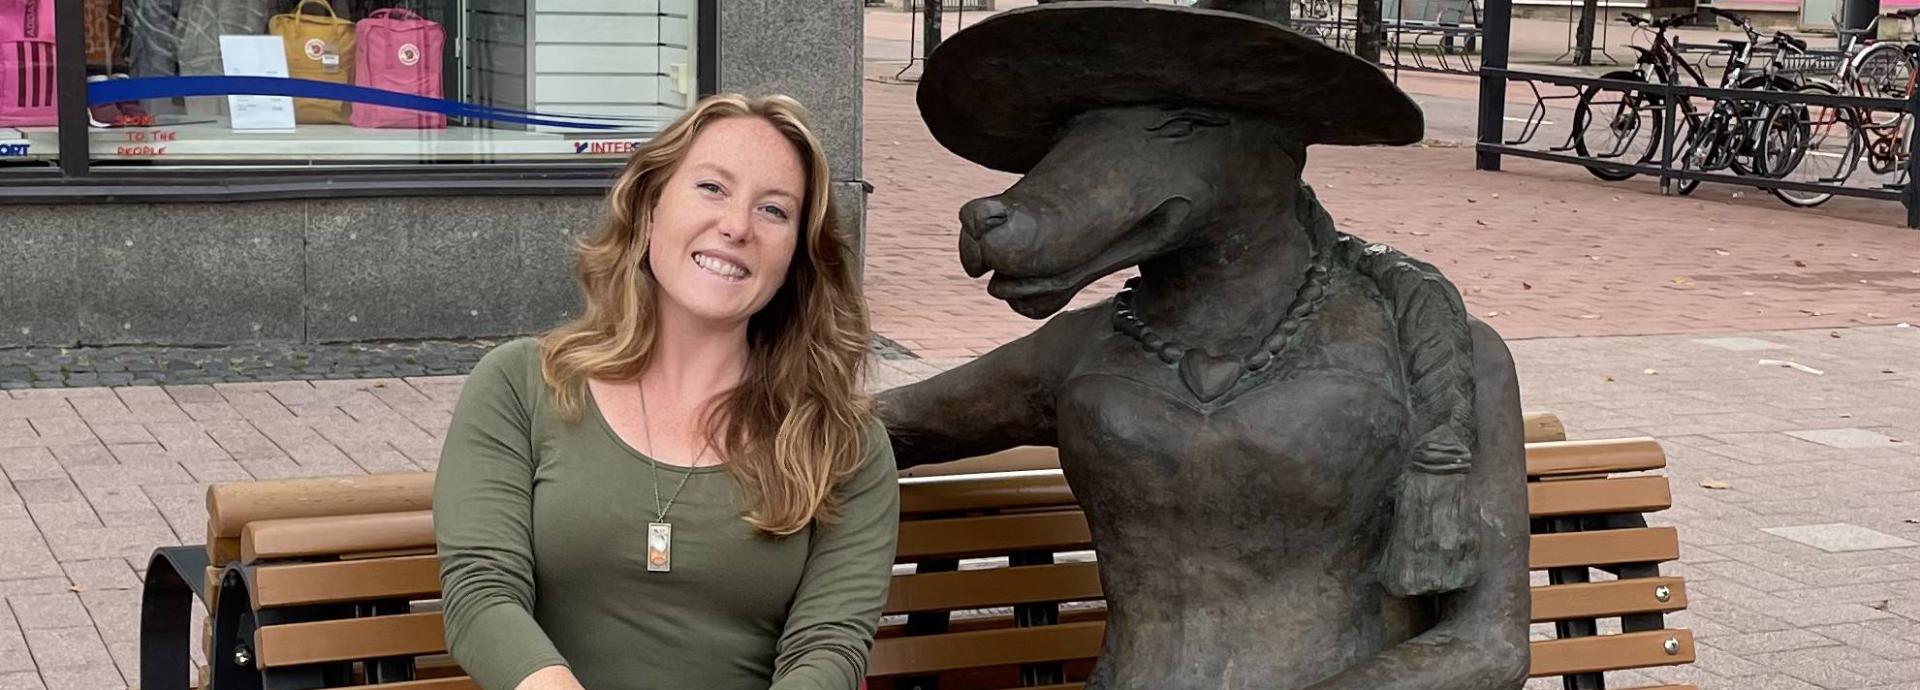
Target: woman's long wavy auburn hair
{"points": [[791, 430]]}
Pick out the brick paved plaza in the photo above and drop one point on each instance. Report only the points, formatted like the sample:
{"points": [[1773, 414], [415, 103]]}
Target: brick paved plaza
{"points": [[1629, 313]]}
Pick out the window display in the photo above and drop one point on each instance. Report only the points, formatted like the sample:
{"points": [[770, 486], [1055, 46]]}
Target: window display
{"points": [[368, 81]]}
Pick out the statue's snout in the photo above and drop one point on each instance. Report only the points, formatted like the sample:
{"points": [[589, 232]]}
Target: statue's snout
{"points": [[992, 228], [981, 216]]}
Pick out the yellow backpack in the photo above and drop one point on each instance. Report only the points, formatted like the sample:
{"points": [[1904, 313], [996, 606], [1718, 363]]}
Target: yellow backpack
{"points": [[319, 47]]}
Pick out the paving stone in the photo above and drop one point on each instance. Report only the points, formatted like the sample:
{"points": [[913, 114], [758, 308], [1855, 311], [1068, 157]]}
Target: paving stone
{"points": [[1740, 344], [45, 611], [21, 680], [104, 573], [74, 658], [83, 455], [1776, 641], [1846, 438], [1840, 537], [30, 463]]}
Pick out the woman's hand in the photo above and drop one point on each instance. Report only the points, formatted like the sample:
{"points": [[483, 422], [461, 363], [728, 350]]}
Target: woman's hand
{"points": [[551, 678]]}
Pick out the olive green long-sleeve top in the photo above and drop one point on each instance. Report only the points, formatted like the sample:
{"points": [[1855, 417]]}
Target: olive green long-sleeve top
{"points": [[542, 530]]}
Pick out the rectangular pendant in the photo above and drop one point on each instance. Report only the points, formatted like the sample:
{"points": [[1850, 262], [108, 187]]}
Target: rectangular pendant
{"points": [[659, 547]]}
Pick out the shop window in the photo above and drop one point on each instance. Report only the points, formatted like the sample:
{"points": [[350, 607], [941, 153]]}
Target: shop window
{"points": [[359, 82]]}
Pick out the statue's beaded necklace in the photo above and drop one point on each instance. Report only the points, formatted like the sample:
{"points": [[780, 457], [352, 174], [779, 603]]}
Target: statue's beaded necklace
{"points": [[1210, 376]]}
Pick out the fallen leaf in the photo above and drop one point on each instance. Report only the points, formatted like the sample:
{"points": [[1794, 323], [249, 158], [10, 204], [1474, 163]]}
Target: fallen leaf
{"points": [[1479, 222], [1748, 293], [1799, 264], [1609, 379], [1883, 604], [1472, 200], [1846, 416], [1682, 280], [76, 588], [1493, 314], [1417, 233], [1833, 334], [1715, 485], [1886, 371], [1526, 285], [1912, 521], [1496, 195], [1589, 317], [1723, 252]]}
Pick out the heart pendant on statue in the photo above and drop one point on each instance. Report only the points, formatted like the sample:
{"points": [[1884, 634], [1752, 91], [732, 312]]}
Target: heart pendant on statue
{"points": [[1208, 376]]}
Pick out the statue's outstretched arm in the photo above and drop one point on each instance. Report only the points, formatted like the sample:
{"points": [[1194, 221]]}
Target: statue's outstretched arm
{"points": [[1000, 400]]}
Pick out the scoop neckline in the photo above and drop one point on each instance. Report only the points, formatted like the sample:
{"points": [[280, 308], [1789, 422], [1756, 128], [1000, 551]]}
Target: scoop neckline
{"points": [[607, 428]]}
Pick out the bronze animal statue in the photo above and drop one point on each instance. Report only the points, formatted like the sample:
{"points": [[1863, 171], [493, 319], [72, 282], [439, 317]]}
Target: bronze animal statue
{"points": [[1300, 457]]}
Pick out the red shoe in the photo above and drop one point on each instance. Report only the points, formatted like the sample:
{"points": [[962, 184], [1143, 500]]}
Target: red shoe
{"points": [[131, 113], [106, 115]]}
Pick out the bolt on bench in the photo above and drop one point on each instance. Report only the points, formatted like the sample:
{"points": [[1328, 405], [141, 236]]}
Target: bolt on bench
{"points": [[315, 583]]}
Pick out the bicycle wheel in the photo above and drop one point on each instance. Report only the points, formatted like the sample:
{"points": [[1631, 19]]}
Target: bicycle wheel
{"points": [[1883, 70], [1614, 123], [1826, 152], [1702, 147], [1744, 133]]}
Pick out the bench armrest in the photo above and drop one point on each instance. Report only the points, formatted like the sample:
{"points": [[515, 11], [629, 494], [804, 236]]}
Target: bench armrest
{"points": [[176, 576]]}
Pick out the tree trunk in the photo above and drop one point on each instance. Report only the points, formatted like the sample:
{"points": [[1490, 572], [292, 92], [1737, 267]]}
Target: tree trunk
{"points": [[1367, 32]]}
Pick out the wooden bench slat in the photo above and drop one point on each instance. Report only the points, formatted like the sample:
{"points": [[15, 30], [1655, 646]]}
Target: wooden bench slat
{"points": [[1644, 494], [325, 583], [1002, 491], [1594, 457], [456, 683], [976, 589], [1541, 427], [350, 638], [993, 535], [1610, 652], [1607, 599], [1604, 547], [954, 651], [1015, 459], [231, 506], [1536, 427], [970, 623], [345, 534]]}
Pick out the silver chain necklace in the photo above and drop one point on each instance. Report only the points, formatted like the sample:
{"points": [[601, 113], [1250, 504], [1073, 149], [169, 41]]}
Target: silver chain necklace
{"points": [[660, 532]]}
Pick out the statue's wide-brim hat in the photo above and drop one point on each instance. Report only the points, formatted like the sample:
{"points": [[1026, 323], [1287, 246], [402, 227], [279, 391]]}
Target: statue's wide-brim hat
{"points": [[999, 92]]}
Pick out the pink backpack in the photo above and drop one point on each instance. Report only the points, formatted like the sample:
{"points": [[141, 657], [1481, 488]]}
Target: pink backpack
{"points": [[398, 51], [26, 63]]}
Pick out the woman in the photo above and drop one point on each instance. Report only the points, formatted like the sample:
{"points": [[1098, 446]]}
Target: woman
{"points": [[684, 487]]}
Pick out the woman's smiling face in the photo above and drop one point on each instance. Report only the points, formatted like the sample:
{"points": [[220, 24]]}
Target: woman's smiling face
{"points": [[727, 222]]}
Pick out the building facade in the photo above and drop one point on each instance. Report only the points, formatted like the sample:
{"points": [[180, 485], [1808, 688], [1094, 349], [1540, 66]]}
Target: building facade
{"points": [[197, 172]]}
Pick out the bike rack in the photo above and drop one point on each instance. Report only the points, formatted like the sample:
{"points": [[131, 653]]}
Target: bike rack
{"points": [[1663, 164]]}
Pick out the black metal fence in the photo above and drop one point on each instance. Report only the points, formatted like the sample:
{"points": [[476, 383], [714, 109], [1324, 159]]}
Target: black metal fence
{"points": [[1494, 143], [1406, 44]]}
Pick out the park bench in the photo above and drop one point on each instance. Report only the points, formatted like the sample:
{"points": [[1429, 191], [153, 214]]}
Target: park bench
{"points": [[333, 582]]}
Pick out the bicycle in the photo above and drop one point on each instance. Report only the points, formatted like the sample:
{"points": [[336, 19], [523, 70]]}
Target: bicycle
{"points": [[1631, 112], [1749, 137], [1877, 70]]}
